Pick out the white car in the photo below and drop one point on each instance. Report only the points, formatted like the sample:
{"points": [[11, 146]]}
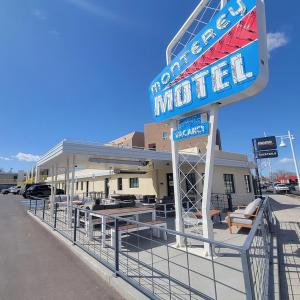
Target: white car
{"points": [[281, 188]]}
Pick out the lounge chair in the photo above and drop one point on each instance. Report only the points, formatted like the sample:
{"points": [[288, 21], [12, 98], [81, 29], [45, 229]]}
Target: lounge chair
{"points": [[244, 217], [192, 222]]}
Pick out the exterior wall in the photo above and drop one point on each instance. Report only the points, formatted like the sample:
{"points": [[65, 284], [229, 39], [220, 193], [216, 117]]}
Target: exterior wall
{"points": [[131, 140], [155, 182], [147, 186], [154, 135], [8, 179]]}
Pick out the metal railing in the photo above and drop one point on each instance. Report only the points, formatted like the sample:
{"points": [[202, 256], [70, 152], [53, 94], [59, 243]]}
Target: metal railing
{"points": [[144, 254]]}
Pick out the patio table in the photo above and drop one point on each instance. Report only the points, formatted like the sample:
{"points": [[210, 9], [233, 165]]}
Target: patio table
{"points": [[117, 212], [213, 213]]}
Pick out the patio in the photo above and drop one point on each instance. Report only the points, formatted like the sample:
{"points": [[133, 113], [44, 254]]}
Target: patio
{"points": [[162, 271]]}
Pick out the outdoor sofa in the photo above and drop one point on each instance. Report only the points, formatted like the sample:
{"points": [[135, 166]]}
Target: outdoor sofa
{"points": [[244, 216]]}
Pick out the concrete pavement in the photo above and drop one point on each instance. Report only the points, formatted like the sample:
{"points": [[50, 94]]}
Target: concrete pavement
{"points": [[34, 265], [287, 211]]}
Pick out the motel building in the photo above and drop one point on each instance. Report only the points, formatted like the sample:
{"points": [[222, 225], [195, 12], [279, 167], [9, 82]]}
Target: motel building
{"points": [[140, 164]]}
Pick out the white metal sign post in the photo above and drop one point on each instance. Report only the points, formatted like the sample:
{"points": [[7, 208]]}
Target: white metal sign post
{"points": [[208, 179], [176, 180]]}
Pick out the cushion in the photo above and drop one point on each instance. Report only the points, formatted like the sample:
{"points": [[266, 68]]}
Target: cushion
{"points": [[237, 215], [252, 206], [242, 221]]}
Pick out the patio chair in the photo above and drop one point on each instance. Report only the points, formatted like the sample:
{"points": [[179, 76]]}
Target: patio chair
{"points": [[244, 217], [192, 222]]}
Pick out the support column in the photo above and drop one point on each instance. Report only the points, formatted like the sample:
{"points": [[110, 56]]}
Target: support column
{"points": [[37, 174], [208, 180], [68, 188], [55, 178], [52, 191], [72, 190], [176, 181]]}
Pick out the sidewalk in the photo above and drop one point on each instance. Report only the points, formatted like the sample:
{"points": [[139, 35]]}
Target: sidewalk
{"points": [[287, 210], [34, 265]]}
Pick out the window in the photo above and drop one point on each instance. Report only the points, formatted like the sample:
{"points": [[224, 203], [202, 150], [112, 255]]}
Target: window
{"points": [[152, 147], [133, 183], [164, 135], [76, 185], [229, 184], [248, 183], [120, 184], [81, 185]]}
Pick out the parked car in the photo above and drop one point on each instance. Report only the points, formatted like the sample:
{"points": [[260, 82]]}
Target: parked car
{"points": [[41, 191], [11, 189], [16, 190], [292, 186], [5, 191], [24, 188], [281, 188]]}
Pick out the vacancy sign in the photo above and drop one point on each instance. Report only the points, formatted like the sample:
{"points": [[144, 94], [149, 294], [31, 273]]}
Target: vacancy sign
{"points": [[226, 62], [191, 127]]}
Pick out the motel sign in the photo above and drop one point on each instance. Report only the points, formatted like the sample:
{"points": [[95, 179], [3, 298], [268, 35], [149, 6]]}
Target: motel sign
{"points": [[224, 63]]}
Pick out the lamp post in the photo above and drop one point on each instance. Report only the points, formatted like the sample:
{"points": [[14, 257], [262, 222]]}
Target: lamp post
{"points": [[291, 138]]}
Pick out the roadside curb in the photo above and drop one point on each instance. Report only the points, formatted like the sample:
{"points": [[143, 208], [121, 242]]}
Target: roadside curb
{"points": [[125, 290]]}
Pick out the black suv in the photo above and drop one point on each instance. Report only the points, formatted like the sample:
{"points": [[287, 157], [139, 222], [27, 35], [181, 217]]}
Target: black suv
{"points": [[24, 189], [41, 190]]}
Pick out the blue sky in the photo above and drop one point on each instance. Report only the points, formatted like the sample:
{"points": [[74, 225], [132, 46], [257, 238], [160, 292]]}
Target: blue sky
{"points": [[80, 69]]}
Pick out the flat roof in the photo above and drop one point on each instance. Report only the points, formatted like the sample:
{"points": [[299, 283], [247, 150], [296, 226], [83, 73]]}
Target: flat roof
{"points": [[89, 155]]}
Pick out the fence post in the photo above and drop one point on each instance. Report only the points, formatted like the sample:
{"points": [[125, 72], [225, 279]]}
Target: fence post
{"points": [[117, 266], [229, 198], [75, 226], [35, 206], [30, 204], [44, 205], [55, 215], [247, 274]]}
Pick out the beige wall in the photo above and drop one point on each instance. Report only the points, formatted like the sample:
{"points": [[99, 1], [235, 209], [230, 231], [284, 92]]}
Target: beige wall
{"points": [[154, 135], [155, 182]]}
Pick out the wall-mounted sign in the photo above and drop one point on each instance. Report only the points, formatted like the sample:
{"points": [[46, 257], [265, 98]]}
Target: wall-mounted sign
{"points": [[191, 127], [267, 154], [266, 143], [226, 61]]}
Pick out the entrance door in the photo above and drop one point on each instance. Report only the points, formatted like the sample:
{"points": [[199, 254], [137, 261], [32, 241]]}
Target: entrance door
{"points": [[106, 187], [170, 185]]}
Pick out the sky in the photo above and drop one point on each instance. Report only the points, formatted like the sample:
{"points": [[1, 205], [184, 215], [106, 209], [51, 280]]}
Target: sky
{"points": [[80, 70]]}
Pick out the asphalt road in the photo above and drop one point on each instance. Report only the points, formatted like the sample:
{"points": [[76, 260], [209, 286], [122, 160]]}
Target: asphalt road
{"points": [[34, 265]]}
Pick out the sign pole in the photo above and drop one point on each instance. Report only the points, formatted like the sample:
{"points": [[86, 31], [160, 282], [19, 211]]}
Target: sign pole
{"points": [[176, 181], [208, 180], [256, 169]]}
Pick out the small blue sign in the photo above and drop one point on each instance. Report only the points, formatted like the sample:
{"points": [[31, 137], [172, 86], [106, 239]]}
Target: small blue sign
{"points": [[191, 127]]}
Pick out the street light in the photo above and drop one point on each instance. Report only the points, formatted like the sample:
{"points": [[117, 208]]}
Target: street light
{"points": [[291, 138], [282, 143]]}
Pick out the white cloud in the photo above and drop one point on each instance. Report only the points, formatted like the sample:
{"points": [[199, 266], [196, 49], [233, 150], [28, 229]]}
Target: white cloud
{"points": [[4, 158], [39, 14], [27, 157], [276, 40], [96, 9], [286, 160]]}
